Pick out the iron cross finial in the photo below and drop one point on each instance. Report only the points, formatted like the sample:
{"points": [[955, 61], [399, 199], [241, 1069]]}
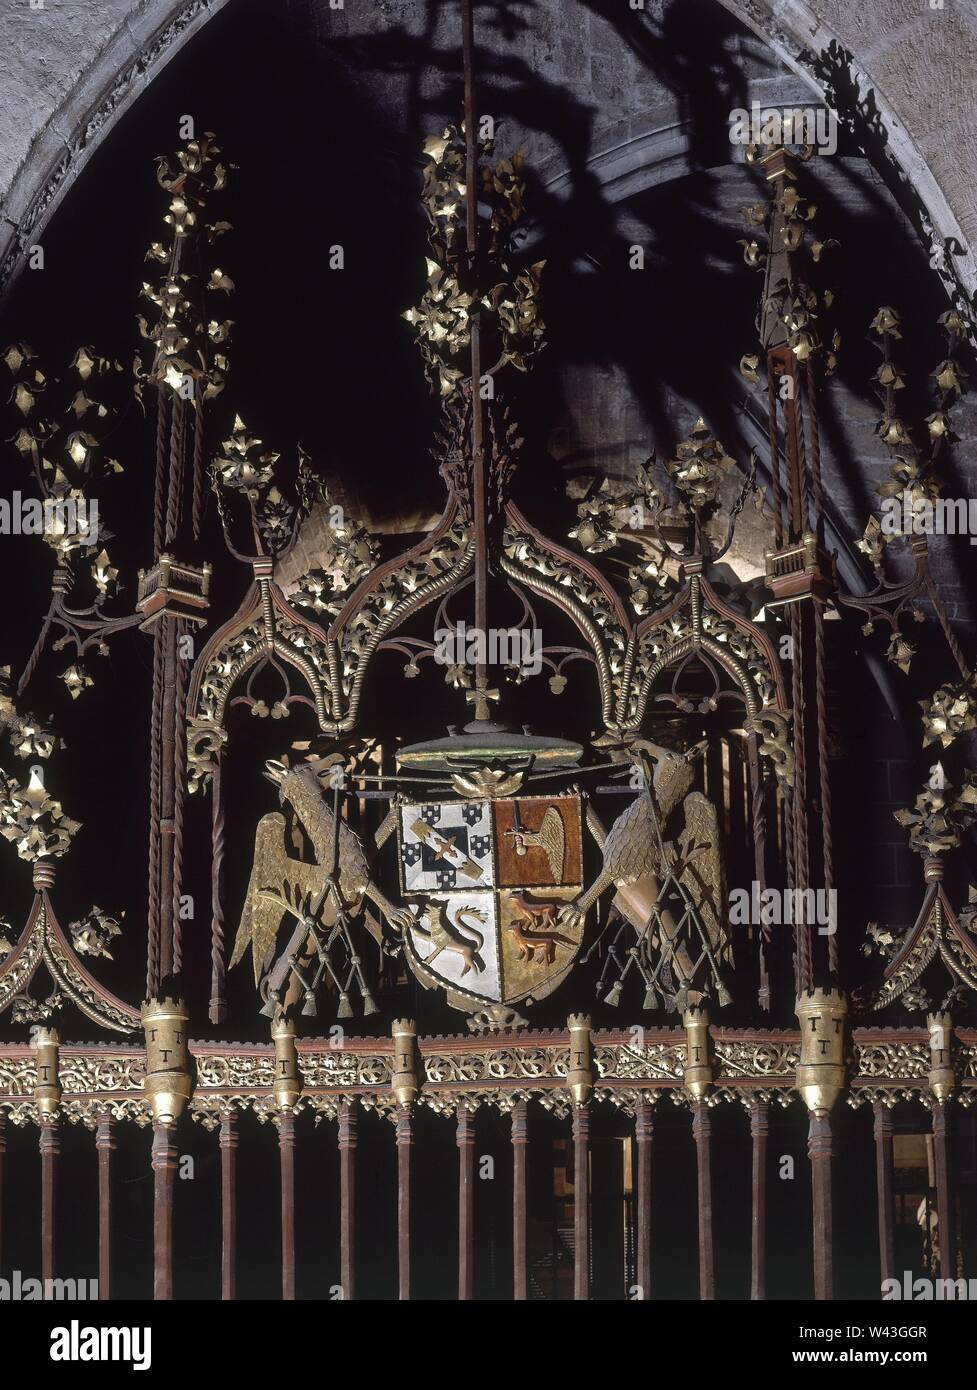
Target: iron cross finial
{"points": [[480, 698]]}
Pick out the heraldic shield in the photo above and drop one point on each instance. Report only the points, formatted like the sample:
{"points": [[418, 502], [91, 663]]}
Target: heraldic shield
{"points": [[486, 881]]}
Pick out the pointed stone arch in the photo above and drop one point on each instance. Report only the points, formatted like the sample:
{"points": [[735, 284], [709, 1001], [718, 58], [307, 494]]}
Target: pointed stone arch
{"points": [[67, 81]]}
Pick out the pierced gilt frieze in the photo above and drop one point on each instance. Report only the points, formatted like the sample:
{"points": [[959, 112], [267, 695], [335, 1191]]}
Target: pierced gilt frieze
{"points": [[773, 1061], [516, 1064], [18, 1075], [498, 1077], [659, 1062], [93, 1081], [95, 1084], [89, 1072], [896, 1060], [229, 1078], [333, 1068], [233, 1071]]}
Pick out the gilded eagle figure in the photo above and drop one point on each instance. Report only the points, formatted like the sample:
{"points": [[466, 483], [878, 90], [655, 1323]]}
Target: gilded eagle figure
{"points": [[282, 884], [639, 862]]}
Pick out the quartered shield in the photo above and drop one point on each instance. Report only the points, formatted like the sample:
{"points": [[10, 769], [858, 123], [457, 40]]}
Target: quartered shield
{"points": [[486, 881]]}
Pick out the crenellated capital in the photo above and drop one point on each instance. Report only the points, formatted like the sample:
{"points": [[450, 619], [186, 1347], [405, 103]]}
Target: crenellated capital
{"points": [[821, 1070], [942, 1076], [288, 1081], [168, 1083], [47, 1086], [405, 1078], [580, 1076], [698, 1051]]}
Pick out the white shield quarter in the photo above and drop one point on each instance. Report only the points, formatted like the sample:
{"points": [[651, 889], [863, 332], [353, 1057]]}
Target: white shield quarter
{"points": [[456, 938], [446, 847]]}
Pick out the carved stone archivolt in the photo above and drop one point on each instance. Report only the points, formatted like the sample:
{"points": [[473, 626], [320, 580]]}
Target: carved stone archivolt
{"points": [[119, 90]]}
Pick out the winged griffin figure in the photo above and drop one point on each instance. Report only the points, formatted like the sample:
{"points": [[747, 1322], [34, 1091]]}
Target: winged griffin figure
{"points": [[324, 897], [670, 892]]}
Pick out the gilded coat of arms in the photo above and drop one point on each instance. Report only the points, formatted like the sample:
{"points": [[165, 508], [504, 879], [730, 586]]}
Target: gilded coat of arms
{"points": [[488, 884]]}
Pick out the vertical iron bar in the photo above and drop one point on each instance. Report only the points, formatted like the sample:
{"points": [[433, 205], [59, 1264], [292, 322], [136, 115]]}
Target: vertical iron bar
{"points": [[581, 1202], [465, 1138], [164, 1160], [348, 1123], [820, 1148], [945, 1223], [759, 1129], [104, 1144], [882, 1129], [758, 811], [702, 1132], [50, 1146], [3, 1150], [644, 1132], [520, 1144], [167, 824], [218, 962], [228, 1152], [405, 1142], [286, 1148], [479, 498]]}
